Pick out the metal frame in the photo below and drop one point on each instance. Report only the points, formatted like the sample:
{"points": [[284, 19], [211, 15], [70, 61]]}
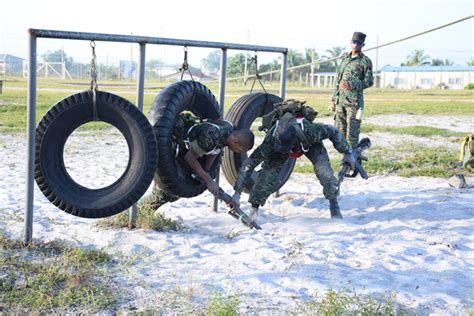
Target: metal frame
{"points": [[142, 41]]}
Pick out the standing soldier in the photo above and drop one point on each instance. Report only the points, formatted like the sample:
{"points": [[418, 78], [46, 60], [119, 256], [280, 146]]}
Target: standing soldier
{"points": [[353, 76]]}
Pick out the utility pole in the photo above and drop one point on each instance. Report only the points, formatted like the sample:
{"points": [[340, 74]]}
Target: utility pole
{"points": [[377, 78], [246, 58], [131, 59], [312, 69]]}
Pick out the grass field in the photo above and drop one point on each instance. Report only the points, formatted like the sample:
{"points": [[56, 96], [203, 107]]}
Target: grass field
{"points": [[13, 101], [13, 104]]}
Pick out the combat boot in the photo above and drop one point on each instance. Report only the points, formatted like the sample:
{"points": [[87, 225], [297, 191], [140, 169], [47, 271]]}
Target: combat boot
{"points": [[254, 214], [334, 209]]}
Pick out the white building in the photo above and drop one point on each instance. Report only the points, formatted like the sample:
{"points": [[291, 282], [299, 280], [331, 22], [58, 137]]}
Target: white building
{"points": [[426, 77]]}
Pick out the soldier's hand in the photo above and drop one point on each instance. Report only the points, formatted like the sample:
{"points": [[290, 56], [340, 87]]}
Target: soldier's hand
{"points": [[213, 187], [350, 160], [345, 86], [332, 107], [235, 202]]}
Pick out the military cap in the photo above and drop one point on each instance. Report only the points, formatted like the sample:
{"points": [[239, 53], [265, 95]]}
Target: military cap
{"points": [[358, 36]]}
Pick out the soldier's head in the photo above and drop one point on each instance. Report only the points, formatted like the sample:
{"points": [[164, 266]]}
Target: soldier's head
{"points": [[240, 141], [357, 42], [285, 139]]}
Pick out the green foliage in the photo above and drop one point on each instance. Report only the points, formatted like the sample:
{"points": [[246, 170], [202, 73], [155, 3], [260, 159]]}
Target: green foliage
{"points": [[440, 62], [469, 86], [236, 65], [218, 305], [212, 62], [417, 58], [48, 276], [350, 303]]}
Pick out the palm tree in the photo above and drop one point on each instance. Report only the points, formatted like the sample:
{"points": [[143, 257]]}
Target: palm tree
{"points": [[417, 58], [334, 53]]}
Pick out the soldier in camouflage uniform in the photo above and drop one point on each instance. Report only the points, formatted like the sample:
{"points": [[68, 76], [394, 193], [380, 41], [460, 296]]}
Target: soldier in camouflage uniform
{"points": [[353, 76], [292, 139], [203, 139]]}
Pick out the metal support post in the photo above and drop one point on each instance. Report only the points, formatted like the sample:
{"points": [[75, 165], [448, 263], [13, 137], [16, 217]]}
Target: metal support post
{"points": [[30, 149], [284, 65], [140, 93], [222, 78]]}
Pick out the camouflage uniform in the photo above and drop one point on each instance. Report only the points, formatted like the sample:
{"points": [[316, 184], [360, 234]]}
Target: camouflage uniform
{"points": [[357, 71], [273, 162], [206, 138]]}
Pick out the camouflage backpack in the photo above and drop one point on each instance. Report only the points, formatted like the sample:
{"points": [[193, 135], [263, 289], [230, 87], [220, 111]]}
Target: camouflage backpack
{"points": [[295, 107], [467, 152]]}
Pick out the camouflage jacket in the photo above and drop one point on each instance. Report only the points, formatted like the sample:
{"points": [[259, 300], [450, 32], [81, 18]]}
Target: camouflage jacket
{"points": [[209, 138], [315, 134], [357, 72]]}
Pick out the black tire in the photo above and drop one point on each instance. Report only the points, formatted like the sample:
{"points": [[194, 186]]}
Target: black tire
{"points": [[52, 133], [243, 114], [174, 175]]}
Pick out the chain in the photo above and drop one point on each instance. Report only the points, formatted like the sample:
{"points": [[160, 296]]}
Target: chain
{"points": [[257, 75], [185, 65], [94, 87]]}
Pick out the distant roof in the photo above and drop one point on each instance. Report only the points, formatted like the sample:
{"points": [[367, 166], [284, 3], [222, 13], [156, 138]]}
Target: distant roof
{"points": [[389, 68], [4, 57]]}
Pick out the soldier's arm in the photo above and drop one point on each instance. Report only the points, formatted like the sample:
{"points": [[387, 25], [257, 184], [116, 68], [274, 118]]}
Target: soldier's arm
{"points": [[369, 76], [191, 159], [336, 137], [256, 158]]}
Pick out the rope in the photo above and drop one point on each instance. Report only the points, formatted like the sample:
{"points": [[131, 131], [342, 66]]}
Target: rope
{"points": [[94, 86]]}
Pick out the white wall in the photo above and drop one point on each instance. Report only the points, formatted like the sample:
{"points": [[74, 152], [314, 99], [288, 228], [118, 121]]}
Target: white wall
{"points": [[427, 80]]}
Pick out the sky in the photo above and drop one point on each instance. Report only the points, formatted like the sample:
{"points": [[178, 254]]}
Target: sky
{"points": [[293, 24]]}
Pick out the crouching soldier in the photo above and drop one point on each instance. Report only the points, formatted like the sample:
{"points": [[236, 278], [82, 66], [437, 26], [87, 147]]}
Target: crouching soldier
{"points": [[194, 141], [292, 137]]}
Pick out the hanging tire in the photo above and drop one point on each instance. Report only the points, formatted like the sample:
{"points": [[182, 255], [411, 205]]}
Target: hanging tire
{"points": [[174, 175], [243, 113], [52, 133]]}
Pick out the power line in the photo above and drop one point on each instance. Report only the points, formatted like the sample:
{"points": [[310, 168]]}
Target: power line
{"points": [[365, 50]]}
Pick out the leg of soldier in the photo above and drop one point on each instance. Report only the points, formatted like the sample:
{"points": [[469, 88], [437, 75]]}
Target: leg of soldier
{"points": [[323, 170], [353, 127], [264, 185], [156, 199], [340, 117]]}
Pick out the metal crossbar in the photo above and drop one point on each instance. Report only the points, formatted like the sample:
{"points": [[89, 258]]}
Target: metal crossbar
{"points": [[142, 41]]}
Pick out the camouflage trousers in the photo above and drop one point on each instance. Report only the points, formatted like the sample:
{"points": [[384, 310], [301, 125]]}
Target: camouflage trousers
{"points": [[158, 198], [267, 180], [347, 123]]}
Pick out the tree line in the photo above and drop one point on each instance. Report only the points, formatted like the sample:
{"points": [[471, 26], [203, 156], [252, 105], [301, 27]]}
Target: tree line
{"points": [[238, 63]]}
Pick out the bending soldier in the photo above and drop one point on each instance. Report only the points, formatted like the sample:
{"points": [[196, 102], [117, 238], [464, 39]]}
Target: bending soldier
{"points": [[292, 136], [203, 139], [353, 76]]}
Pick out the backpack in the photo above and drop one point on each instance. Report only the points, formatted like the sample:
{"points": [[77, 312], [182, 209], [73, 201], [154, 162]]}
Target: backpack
{"points": [[467, 152], [295, 107], [287, 113]]}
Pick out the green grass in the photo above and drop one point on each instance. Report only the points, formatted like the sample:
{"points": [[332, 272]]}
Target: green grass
{"points": [[378, 101], [351, 303], [50, 276], [407, 161], [146, 219], [220, 305], [411, 130]]}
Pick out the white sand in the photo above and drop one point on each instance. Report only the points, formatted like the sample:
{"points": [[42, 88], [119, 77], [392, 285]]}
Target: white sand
{"points": [[413, 236]]}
